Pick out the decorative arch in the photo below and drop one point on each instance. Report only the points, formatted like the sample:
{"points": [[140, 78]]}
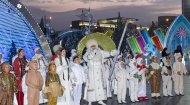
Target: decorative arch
{"points": [[178, 34], [17, 25]]}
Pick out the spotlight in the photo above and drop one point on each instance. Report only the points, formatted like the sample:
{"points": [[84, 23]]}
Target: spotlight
{"points": [[19, 6]]}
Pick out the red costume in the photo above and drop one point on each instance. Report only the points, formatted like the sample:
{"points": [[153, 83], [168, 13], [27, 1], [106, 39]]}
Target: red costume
{"points": [[19, 66], [142, 78], [53, 57]]}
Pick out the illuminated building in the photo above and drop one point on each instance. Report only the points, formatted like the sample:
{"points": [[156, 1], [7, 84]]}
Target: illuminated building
{"points": [[186, 8]]}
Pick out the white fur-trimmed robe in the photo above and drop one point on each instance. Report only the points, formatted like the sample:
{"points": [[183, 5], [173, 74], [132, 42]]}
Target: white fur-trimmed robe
{"points": [[178, 79], [67, 98], [96, 87]]}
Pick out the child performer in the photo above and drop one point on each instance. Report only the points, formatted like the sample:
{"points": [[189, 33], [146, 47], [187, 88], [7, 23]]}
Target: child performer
{"points": [[155, 71], [53, 87], [8, 85], [142, 80], [78, 80], [167, 77], [133, 73], [34, 81], [179, 70], [122, 77]]}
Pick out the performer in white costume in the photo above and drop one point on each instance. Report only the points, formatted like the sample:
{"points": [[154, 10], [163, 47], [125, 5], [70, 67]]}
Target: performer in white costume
{"points": [[13, 59], [62, 64], [94, 57], [133, 79], [25, 89], [119, 58], [42, 68], [78, 79], [121, 77], [142, 82], [167, 77], [106, 73], [179, 70], [187, 60], [73, 54]]}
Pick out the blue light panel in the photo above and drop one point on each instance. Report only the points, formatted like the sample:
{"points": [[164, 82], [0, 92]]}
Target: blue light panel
{"points": [[14, 27]]}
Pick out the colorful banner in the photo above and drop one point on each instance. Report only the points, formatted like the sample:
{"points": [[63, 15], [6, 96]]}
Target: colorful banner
{"points": [[157, 42], [146, 36], [133, 43], [141, 43], [144, 40], [160, 35]]}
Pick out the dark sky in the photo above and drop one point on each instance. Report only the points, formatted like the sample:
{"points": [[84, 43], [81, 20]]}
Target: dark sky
{"points": [[64, 11]]}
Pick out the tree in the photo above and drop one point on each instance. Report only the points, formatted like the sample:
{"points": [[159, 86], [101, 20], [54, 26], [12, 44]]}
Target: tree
{"points": [[12, 51]]}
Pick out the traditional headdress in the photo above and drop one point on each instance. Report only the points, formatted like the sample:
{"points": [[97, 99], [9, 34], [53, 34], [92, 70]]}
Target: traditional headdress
{"points": [[36, 49], [139, 59], [91, 42]]}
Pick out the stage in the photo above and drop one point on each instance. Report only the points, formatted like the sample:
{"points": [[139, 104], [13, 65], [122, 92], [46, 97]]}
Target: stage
{"points": [[176, 100]]}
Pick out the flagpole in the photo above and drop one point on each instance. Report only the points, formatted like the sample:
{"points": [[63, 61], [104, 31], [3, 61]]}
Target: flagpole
{"points": [[121, 40]]}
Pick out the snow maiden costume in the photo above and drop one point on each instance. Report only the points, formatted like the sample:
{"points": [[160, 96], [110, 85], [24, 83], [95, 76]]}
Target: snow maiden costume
{"points": [[62, 64]]}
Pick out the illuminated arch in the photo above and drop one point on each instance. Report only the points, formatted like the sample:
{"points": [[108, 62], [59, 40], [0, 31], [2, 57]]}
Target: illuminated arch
{"points": [[178, 34], [18, 25]]}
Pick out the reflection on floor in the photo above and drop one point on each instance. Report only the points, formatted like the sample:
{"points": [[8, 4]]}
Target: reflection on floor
{"points": [[176, 100]]}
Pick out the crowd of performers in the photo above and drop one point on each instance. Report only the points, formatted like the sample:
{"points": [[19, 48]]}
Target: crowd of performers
{"points": [[95, 77]]}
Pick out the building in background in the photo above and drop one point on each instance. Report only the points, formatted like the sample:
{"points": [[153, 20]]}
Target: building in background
{"points": [[164, 22], [186, 8]]}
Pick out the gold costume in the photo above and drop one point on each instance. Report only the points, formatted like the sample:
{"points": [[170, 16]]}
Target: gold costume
{"points": [[8, 86], [52, 89]]}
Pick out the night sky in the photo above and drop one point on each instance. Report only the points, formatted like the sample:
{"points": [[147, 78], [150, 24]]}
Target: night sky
{"points": [[64, 11]]}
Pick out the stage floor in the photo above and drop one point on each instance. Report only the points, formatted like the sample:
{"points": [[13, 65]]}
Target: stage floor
{"points": [[176, 100]]}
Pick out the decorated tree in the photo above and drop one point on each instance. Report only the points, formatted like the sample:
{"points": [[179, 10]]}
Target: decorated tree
{"points": [[12, 52]]}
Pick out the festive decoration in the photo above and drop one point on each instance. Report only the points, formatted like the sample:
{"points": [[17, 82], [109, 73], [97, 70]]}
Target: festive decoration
{"points": [[150, 48], [178, 34], [181, 32], [157, 42], [145, 36], [18, 28], [160, 35], [13, 52], [133, 43], [141, 43], [104, 42]]}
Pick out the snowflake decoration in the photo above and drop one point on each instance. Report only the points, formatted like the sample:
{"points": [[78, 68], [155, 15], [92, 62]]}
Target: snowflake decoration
{"points": [[181, 32]]}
